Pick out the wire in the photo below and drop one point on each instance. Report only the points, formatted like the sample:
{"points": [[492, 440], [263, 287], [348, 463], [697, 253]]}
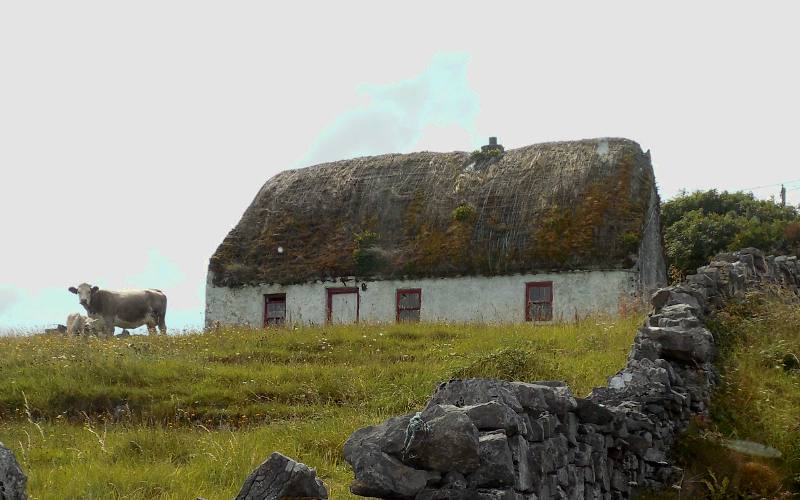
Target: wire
{"points": [[770, 185]]}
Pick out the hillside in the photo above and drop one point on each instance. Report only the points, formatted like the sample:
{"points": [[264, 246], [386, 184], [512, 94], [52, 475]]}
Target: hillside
{"points": [[203, 410]]}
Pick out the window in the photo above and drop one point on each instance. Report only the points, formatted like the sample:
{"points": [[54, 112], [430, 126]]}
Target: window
{"points": [[409, 302], [274, 309], [539, 301]]}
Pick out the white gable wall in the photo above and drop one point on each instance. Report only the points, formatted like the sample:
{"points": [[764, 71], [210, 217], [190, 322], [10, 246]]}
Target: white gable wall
{"points": [[492, 299]]}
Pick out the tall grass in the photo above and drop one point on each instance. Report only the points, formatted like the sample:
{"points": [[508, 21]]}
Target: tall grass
{"points": [[203, 410], [756, 400]]}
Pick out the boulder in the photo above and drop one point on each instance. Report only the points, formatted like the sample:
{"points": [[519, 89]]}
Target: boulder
{"points": [[496, 463], [383, 476], [590, 412], [523, 478], [555, 397], [673, 295], [454, 480], [281, 477], [683, 345], [388, 436], [450, 443], [12, 480], [475, 391], [493, 415]]}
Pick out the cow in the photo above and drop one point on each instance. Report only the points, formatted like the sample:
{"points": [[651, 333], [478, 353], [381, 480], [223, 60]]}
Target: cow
{"points": [[125, 308], [78, 324]]}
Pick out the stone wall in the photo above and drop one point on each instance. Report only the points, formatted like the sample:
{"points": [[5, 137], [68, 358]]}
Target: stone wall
{"points": [[494, 439]]}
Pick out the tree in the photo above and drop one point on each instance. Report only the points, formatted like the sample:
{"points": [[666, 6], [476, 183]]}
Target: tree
{"points": [[699, 225]]}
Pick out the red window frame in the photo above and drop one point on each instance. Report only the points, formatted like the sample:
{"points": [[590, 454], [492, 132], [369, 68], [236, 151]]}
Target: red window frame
{"points": [[274, 297], [335, 291], [538, 284], [397, 309]]}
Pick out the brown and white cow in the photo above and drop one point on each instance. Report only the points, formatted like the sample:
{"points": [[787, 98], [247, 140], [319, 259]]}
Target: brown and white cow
{"points": [[125, 308]]}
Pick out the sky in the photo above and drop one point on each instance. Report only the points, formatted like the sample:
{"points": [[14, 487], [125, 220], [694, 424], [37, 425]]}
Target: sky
{"points": [[133, 135]]}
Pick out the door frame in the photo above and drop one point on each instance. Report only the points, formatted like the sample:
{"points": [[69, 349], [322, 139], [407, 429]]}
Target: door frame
{"points": [[341, 290]]}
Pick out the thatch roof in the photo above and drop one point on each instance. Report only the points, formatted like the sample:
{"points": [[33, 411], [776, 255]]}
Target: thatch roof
{"points": [[553, 206]]}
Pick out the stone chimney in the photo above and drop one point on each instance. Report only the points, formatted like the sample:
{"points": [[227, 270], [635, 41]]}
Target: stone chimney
{"points": [[492, 146]]}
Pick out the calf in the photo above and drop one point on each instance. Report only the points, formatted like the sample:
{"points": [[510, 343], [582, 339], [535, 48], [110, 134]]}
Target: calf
{"points": [[78, 324]]}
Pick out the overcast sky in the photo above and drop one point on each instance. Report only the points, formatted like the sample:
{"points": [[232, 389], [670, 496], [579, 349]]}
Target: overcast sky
{"points": [[133, 135]]}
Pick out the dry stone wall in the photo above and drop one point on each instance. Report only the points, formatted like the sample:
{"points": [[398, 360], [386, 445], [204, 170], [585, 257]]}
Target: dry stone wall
{"points": [[495, 439]]}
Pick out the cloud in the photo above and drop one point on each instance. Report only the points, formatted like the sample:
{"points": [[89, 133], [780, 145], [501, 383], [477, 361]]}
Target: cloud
{"points": [[159, 272], [397, 114], [8, 297], [45, 307]]}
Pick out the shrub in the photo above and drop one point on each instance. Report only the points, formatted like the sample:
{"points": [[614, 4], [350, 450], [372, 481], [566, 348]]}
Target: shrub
{"points": [[701, 224], [464, 213]]}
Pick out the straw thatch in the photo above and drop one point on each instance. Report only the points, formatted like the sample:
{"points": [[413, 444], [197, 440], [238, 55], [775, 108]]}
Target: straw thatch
{"points": [[554, 206]]}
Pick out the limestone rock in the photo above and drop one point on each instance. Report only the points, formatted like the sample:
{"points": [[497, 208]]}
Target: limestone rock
{"points": [[684, 345], [388, 436], [523, 479], [553, 397], [674, 295], [383, 476], [592, 413], [280, 477], [475, 391], [12, 480], [496, 463], [449, 444]]}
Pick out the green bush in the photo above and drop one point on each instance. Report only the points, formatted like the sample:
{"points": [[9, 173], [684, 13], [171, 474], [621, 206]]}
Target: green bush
{"points": [[464, 213], [702, 224], [480, 155]]}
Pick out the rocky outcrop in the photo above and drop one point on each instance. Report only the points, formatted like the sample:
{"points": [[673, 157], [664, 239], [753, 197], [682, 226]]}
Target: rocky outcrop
{"points": [[280, 477], [495, 439], [12, 479]]}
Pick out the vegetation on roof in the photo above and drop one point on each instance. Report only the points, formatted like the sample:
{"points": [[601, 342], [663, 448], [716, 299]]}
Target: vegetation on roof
{"points": [[554, 206]]}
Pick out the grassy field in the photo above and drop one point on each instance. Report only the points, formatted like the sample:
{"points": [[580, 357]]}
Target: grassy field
{"points": [[203, 410]]}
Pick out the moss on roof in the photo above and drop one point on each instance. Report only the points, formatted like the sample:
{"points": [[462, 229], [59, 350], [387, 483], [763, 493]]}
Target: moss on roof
{"points": [[553, 206]]}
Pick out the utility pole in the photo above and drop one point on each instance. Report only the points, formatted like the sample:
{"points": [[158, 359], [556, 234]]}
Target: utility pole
{"points": [[783, 195]]}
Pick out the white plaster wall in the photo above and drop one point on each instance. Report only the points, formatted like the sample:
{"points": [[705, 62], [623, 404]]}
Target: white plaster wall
{"points": [[495, 299]]}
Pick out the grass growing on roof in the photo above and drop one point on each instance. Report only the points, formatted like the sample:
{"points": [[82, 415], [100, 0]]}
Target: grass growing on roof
{"points": [[205, 409]]}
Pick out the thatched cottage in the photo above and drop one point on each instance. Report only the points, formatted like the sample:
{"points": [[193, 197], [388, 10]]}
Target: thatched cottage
{"points": [[545, 232]]}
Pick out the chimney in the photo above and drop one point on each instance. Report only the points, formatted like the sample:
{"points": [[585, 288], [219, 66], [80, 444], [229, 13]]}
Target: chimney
{"points": [[492, 146]]}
